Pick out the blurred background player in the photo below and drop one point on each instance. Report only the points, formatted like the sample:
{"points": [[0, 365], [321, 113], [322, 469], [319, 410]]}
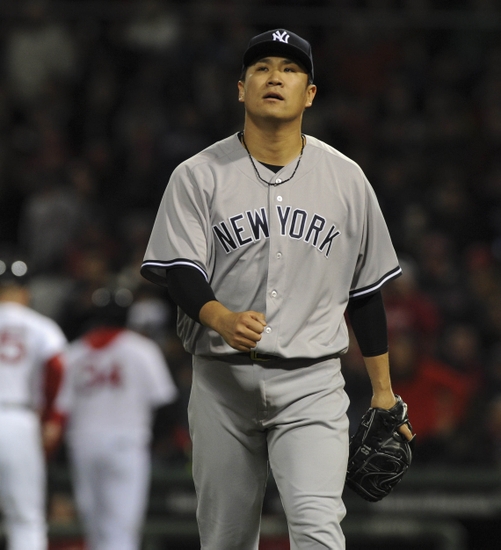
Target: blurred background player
{"points": [[30, 375], [116, 379]]}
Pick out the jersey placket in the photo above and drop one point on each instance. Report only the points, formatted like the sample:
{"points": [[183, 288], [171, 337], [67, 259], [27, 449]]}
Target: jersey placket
{"points": [[275, 288]]}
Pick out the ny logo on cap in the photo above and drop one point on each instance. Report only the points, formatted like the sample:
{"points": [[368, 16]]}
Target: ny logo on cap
{"points": [[281, 36]]}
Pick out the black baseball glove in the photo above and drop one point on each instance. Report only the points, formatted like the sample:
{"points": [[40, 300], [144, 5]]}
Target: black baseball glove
{"points": [[379, 454]]}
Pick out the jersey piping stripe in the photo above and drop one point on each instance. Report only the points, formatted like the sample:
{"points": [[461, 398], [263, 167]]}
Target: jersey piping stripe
{"points": [[174, 263], [376, 286]]}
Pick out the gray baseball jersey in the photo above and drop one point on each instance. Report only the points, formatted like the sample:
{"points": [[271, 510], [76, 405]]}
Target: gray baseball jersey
{"points": [[295, 251]]}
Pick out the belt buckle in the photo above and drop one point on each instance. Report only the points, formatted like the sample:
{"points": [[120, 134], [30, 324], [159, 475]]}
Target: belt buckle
{"points": [[254, 355]]}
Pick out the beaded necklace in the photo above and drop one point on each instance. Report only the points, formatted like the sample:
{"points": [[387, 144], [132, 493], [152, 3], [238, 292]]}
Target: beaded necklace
{"points": [[303, 141]]}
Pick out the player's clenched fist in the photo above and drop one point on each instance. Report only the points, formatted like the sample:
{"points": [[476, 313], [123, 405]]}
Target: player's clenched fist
{"points": [[241, 330]]}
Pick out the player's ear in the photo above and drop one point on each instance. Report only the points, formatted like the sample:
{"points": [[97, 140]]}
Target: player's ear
{"points": [[310, 95], [241, 91]]}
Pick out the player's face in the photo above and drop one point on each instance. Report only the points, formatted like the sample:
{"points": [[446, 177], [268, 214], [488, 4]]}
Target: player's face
{"points": [[276, 88]]}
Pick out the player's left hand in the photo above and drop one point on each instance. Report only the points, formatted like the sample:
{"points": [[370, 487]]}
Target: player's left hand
{"points": [[386, 401], [379, 455]]}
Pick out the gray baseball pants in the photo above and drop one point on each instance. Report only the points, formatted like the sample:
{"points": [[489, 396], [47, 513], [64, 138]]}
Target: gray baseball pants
{"points": [[246, 417]]}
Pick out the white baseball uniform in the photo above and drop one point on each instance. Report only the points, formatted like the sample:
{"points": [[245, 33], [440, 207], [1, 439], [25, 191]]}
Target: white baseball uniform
{"points": [[296, 252], [115, 379], [28, 341]]}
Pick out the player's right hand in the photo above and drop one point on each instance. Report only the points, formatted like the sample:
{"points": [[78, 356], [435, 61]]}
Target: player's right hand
{"points": [[241, 330], [244, 329]]}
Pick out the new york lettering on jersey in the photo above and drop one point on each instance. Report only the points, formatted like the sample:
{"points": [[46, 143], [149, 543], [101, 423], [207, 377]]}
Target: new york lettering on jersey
{"points": [[251, 226]]}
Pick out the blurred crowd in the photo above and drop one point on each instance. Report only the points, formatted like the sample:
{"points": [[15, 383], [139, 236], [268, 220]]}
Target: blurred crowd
{"points": [[96, 111]]}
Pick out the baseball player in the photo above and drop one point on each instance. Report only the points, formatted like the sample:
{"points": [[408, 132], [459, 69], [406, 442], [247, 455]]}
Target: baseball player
{"points": [[264, 239], [116, 379], [30, 375]]}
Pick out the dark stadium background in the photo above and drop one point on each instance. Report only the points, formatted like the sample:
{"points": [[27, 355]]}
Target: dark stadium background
{"points": [[100, 100]]}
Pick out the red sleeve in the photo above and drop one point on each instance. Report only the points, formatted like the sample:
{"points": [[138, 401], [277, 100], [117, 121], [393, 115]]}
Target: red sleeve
{"points": [[54, 370]]}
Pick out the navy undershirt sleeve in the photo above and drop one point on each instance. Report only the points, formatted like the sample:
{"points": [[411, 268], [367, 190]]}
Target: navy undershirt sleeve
{"points": [[368, 320], [189, 290]]}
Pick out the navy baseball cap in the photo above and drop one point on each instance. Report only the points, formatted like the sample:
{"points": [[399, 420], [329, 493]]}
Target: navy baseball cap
{"points": [[280, 42]]}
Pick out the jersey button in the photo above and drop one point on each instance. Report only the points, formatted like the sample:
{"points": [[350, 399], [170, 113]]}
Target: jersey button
{"points": [[279, 198], [279, 255], [278, 180], [267, 330], [274, 293]]}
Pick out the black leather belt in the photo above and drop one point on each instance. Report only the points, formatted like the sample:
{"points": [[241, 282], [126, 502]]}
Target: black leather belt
{"points": [[256, 356]]}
